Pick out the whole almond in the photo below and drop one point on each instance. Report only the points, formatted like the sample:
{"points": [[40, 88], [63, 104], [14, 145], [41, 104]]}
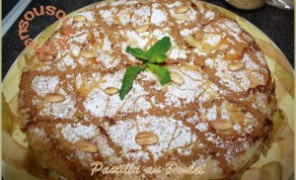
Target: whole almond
{"points": [[46, 57], [89, 54], [143, 28], [221, 124], [86, 146], [54, 98], [235, 66], [111, 90], [254, 81], [147, 138], [199, 35], [177, 78], [206, 47], [181, 9], [182, 17], [79, 18], [191, 41]]}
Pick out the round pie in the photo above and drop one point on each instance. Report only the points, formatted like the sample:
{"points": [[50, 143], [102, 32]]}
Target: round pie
{"points": [[213, 115]]}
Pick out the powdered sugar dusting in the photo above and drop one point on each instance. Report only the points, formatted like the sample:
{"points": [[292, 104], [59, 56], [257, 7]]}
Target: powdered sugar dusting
{"points": [[158, 16], [163, 127], [61, 110], [202, 127], [186, 92], [96, 103], [66, 62], [75, 133], [43, 85]]}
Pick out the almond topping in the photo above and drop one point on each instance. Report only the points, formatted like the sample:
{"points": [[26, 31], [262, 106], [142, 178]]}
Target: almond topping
{"points": [[191, 41], [221, 124], [181, 9], [146, 138], [54, 98], [46, 57], [206, 47], [97, 46], [182, 17], [89, 54], [86, 146], [111, 90], [235, 66], [199, 35], [143, 28], [254, 81], [79, 18], [176, 78]]}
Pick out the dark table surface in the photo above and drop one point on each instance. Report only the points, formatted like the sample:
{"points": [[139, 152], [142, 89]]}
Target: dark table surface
{"points": [[277, 24]]}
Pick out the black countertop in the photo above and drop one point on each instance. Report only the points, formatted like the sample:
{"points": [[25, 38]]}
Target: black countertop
{"points": [[277, 24]]}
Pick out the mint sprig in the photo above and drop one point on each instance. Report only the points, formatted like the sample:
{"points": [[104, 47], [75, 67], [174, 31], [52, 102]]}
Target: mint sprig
{"points": [[159, 49], [151, 59], [137, 52], [162, 73], [128, 79]]}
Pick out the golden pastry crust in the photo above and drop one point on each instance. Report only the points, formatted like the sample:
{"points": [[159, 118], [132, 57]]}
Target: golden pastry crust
{"points": [[215, 113]]}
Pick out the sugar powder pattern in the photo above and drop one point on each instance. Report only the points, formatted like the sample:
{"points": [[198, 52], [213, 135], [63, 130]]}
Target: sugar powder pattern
{"points": [[215, 110]]}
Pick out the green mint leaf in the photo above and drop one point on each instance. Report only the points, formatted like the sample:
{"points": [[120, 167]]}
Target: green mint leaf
{"points": [[155, 54], [137, 52], [160, 58], [162, 73], [159, 48], [128, 80]]}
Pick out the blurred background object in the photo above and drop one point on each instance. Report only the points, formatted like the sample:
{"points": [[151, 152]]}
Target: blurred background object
{"points": [[246, 4], [11, 11], [256, 4], [7, 5], [283, 4]]}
